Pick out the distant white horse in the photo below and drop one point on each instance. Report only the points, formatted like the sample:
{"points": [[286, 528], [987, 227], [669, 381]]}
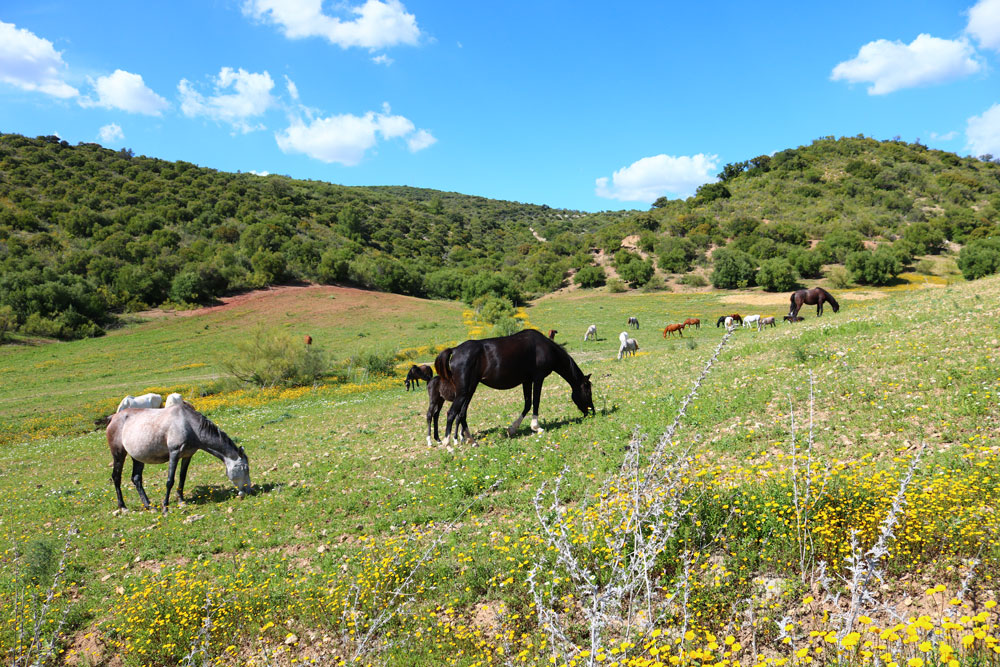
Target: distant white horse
{"points": [[729, 323], [750, 321], [591, 333], [629, 346], [144, 401], [633, 322], [173, 399]]}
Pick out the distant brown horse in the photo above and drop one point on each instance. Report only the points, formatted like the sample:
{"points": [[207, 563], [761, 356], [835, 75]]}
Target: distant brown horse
{"points": [[671, 328], [552, 334], [692, 322], [416, 374], [722, 318], [815, 296], [309, 339]]}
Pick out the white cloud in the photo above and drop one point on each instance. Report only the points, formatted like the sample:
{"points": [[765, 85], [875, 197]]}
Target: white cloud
{"points": [[110, 133], [891, 66], [982, 132], [383, 59], [127, 92], [420, 140], [259, 173], [651, 177], [376, 24], [252, 98], [984, 23], [346, 138], [947, 136], [293, 90], [31, 63]]}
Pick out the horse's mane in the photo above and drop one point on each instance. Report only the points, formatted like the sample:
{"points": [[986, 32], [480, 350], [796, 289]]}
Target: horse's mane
{"points": [[206, 428]]}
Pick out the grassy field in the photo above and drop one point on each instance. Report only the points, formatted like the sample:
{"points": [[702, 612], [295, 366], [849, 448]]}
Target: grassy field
{"points": [[363, 543]]}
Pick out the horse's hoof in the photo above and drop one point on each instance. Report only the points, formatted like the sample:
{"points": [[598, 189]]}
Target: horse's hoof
{"points": [[445, 441], [430, 441], [511, 432]]}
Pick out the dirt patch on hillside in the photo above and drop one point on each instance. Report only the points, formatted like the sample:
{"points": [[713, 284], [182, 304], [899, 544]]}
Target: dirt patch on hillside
{"points": [[304, 300]]}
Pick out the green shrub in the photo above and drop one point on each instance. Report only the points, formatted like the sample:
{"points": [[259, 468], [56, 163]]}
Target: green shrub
{"points": [[636, 271], [733, 268], [275, 358], [839, 277], [506, 326], [776, 275], [979, 258], [874, 268], [492, 309], [616, 285], [590, 276], [925, 267], [7, 321], [694, 280], [808, 264]]}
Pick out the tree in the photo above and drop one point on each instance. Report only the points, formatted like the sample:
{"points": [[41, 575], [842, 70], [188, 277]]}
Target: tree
{"points": [[636, 271], [733, 268], [874, 268], [590, 276], [712, 191], [776, 275], [979, 258]]}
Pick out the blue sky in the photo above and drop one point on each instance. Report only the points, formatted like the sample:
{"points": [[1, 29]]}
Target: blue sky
{"points": [[571, 104]]}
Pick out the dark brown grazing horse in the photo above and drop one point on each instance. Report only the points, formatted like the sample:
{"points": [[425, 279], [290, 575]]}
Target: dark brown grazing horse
{"points": [[815, 296], [736, 318], [525, 358], [416, 374], [671, 328], [692, 322]]}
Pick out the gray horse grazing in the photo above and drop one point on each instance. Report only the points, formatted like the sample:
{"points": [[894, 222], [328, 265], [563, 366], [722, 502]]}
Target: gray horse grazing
{"points": [[170, 435]]}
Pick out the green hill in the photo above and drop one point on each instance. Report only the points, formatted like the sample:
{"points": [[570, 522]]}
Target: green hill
{"points": [[86, 232]]}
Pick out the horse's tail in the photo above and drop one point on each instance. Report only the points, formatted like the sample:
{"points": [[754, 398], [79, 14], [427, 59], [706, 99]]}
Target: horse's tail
{"points": [[442, 362], [833, 302]]}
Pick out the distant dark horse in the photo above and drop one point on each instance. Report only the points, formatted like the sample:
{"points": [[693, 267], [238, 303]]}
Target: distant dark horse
{"points": [[416, 374], [736, 318], [633, 322], [525, 358], [815, 296]]}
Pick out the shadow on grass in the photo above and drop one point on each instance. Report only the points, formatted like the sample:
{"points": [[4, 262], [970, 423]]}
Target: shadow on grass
{"points": [[525, 431], [203, 494]]}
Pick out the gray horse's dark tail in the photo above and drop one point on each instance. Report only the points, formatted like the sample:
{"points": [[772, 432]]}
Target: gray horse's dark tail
{"points": [[442, 363]]}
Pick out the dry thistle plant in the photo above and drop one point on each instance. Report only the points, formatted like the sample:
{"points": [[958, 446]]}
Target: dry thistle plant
{"points": [[637, 515], [35, 642]]}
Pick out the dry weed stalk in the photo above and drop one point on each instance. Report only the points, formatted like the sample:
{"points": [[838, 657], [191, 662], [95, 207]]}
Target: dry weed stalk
{"points": [[39, 649], [638, 514]]}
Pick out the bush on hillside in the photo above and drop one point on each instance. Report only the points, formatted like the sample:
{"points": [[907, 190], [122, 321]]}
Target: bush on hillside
{"points": [[492, 309], [483, 283], [808, 264], [590, 276], [776, 275], [925, 238], [636, 271], [980, 258], [275, 358], [694, 280], [733, 269], [874, 268], [7, 322], [675, 254]]}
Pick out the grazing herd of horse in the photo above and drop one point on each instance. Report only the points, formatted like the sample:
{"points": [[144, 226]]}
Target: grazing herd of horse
{"points": [[140, 429]]}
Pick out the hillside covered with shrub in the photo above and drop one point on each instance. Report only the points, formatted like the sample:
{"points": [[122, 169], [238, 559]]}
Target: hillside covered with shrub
{"points": [[87, 232]]}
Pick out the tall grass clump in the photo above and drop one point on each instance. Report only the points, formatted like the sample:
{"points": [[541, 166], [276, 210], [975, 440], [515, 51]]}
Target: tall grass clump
{"points": [[270, 358]]}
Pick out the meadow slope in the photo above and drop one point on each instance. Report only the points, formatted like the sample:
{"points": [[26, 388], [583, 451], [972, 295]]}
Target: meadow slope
{"points": [[364, 543]]}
